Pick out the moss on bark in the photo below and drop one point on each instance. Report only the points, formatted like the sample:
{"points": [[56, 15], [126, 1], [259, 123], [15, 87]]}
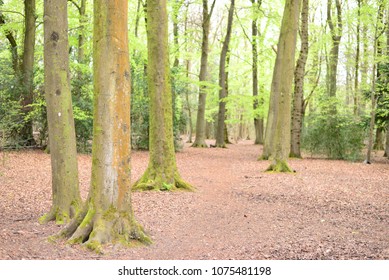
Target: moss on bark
{"points": [[95, 228], [279, 166]]}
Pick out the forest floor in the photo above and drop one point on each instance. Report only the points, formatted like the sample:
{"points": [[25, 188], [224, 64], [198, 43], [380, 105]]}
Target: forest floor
{"points": [[326, 210]]}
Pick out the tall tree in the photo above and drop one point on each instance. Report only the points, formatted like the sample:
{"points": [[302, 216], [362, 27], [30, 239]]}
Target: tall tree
{"points": [[299, 74], [65, 190], [277, 139], [336, 29], [258, 121], [220, 133], [108, 215], [27, 68], [162, 172], [357, 58], [200, 122], [377, 55]]}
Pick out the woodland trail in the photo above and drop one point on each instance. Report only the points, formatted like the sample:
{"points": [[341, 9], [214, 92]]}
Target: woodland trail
{"points": [[326, 210]]}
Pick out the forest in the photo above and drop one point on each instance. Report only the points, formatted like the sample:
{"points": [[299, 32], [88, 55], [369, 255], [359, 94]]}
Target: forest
{"points": [[194, 129]]}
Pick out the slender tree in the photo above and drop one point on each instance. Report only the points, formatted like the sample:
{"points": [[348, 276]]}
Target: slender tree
{"points": [[377, 53], [336, 29], [108, 215], [200, 122], [162, 172], [27, 68], [258, 121], [277, 141], [220, 133], [65, 190], [299, 74], [357, 58]]}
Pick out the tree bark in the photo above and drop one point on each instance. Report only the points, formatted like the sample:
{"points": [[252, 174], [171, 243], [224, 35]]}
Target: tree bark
{"points": [[220, 137], [65, 191], [162, 172], [200, 122], [277, 138], [108, 215], [299, 74]]}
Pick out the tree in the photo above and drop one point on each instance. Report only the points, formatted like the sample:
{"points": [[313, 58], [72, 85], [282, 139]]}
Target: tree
{"points": [[162, 172], [220, 133], [377, 53], [65, 190], [336, 36], [200, 123], [108, 215], [258, 122], [299, 74], [277, 140], [27, 68], [23, 69]]}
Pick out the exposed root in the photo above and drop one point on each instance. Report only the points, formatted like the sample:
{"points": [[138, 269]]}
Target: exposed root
{"points": [[60, 216], [279, 166], [199, 145], [153, 182], [93, 229]]}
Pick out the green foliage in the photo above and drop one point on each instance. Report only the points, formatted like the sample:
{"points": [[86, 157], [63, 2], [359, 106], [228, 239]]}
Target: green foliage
{"points": [[82, 98], [12, 118], [334, 133], [139, 104]]}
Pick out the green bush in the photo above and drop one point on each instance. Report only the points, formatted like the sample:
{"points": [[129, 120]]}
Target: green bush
{"points": [[336, 134]]}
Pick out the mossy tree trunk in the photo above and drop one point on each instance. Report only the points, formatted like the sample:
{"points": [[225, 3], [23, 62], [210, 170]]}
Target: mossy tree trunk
{"points": [[220, 139], [299, 75], [277, 141], [162, 172], [108, 215], [65, 190], [200, 122]]}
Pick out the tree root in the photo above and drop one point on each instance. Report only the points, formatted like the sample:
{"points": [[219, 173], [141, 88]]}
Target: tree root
{"points": [[93, 229], [59, 215], [279, 166], [199, 145], [153, 182]]}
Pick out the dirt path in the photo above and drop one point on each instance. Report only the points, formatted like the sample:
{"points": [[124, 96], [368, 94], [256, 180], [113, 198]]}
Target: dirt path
{"points": [[326, 210]]}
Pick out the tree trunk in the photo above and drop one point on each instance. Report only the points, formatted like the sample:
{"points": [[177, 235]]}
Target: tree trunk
{"points": [[161, 173], [377, 53], [379, 140], [81, 34], [258, 121], [357, 55], [108, 215], [27, 70], [220, 137], [277, 139], [299, 74], [65, 191], [336, 35], [386, 154], [200, 122]]}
